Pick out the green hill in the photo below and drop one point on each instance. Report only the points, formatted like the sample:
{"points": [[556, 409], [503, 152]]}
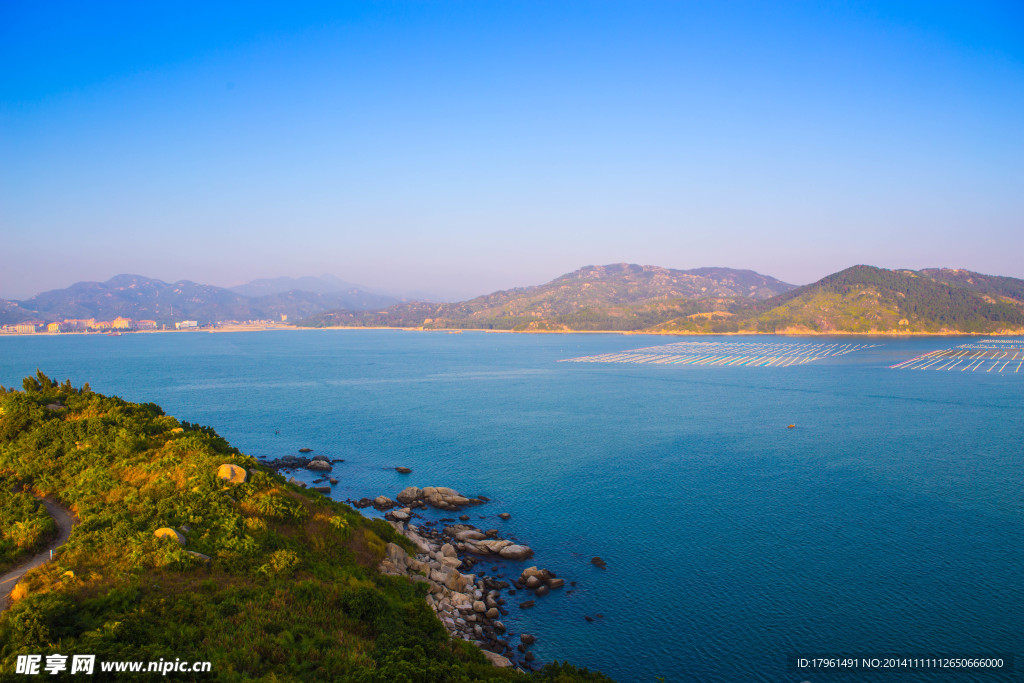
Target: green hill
{"points": [[273, 582], [865, 299], [613, 297]]}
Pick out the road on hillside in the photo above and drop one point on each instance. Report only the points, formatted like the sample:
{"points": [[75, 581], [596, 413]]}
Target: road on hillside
{"points": [[65, 520]]}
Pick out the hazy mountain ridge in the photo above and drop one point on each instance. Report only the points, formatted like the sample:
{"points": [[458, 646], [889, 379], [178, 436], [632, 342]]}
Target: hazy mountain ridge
{"points": [[143, 298]]}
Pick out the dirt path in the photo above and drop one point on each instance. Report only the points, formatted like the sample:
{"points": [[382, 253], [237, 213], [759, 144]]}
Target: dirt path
{"points": [[65, 520]]}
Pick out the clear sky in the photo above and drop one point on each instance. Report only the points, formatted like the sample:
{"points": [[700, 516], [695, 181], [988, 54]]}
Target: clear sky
{"points": [[460, 147]]}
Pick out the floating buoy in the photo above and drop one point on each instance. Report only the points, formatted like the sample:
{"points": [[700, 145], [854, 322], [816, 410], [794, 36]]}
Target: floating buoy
{"points": [[790, 426]]}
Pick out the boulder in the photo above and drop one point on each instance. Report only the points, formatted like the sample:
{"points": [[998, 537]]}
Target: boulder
{"points": [[527, 639], [326, 490], [168, 532], [410, 494], [205, 559], [497, 660], [448, 550], [542, 590], [532, 582], [555, 583], [598, 562], [396, 554], [469, 535], [443, 498], [516, 552], [383, 503], [455, 581], [505, 516], [319, 465], [479, 607], [492, 613], [333, 481], [527, 605], [399, 515], [305, 450], [232, 474], [403, 470], [493, 546]]}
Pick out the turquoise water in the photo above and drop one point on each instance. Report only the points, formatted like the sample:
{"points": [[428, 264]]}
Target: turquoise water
{"points": [[889, 520]]}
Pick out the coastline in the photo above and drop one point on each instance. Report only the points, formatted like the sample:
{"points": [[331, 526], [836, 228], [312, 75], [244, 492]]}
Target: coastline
{"points": [[459, 330]]}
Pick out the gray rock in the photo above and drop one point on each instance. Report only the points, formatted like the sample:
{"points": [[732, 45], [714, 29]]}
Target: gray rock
{"points": [[516, 552], [410, 494], [383, 503], [496, 659]]}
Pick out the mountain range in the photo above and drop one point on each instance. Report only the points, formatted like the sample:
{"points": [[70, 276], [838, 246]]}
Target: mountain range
{"points": [[618, 297], [625, 297], [142, 298]]}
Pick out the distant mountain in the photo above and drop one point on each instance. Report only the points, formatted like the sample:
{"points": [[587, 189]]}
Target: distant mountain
{"points": [[11, 313], [142, 298], [865, 299], [138, 297], [613, 297]]}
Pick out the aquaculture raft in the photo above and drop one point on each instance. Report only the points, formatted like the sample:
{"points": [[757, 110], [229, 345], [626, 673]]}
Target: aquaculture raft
{"points": [[732, 354], [988, 355]]}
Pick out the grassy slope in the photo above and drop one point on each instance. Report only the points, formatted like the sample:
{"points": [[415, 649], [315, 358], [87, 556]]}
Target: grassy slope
{"points": [[867, 299], [292, 591], [622, 297], [25, 525]]}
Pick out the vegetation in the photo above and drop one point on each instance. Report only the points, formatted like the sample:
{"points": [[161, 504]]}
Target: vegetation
{"points": [[290, 592], [622, 297], [25, 525], [867, 299]]}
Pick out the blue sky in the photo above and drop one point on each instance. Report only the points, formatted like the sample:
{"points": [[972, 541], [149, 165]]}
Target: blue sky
{"points": [[463, 147]]}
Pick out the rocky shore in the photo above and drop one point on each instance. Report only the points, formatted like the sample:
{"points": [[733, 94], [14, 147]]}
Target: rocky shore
{"points": [[470, 605]]}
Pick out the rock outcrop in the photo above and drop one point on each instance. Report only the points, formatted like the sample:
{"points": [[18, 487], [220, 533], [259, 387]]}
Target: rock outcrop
{"points": [[232, 474], [168, 532]]}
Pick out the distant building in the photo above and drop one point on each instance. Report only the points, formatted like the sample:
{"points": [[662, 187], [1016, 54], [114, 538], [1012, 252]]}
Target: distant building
{"points": [[53, 327], [77, 325], [284, 318], [122, 323], [186, 324], [145, 325], [25, 328]]}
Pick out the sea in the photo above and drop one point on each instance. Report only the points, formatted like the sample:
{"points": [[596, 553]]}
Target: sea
{"points": [[750, 515]]}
